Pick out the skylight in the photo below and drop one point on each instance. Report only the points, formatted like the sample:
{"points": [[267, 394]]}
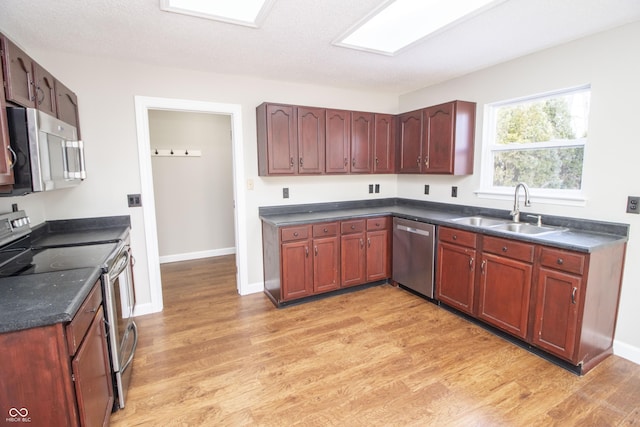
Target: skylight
{"points": [[398, 24], [249, 13]]}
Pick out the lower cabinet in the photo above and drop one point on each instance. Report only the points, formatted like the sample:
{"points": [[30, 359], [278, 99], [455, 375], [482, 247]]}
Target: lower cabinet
{"points": [[310, 259], [560, 301], [59, 375]]}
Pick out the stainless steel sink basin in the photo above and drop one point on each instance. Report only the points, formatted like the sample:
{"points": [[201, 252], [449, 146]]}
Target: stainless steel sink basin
{"points": [[523, 228], [480, 221]]}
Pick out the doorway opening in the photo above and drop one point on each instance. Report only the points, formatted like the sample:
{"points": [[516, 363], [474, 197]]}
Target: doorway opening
{"points": [[143, 105]]}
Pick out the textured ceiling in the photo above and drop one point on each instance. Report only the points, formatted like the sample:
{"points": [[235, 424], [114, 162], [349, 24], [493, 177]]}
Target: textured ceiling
{"points": [[294, 42]]}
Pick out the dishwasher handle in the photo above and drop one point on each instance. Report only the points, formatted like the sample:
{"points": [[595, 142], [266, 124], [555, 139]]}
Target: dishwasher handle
{"points": [[413, 230]]}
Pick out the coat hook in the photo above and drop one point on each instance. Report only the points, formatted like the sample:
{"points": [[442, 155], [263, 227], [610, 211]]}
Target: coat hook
{"points": [[171, 151], [156, 151], [186, 152]]}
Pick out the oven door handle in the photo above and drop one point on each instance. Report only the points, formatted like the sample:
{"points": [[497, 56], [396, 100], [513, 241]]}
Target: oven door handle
{"points": [[121, 264], [133, 347]]}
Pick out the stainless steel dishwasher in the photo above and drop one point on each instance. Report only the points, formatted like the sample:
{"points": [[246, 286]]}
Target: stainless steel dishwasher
{"points": [[413, 255]]}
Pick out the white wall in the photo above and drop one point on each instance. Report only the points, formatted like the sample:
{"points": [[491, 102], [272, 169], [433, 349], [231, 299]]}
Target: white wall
{"points": [[611, 64], [193, 195]]}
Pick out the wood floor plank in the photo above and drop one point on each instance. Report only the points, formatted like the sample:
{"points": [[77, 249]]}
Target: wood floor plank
{"points": [[376, 357]]}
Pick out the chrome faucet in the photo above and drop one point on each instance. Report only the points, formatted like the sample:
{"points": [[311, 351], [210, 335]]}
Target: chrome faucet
{"points": [[515, 213]]}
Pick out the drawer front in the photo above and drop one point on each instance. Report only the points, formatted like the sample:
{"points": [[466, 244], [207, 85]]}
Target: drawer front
{"points": [[295, 233], [80, 323], [562, 260], [457, 237], [328, 229], [508, 248], [380, 223], [352, 226]]}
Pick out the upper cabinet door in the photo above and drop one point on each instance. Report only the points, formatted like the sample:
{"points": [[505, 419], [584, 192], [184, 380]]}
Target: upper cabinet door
{"points": [[338, 141], [67, 105], [311, 140], [409, 148], [384, 137], [361, 142], [277, 140], [18, 74], [45, 91], [438, 139], [6, 156]]}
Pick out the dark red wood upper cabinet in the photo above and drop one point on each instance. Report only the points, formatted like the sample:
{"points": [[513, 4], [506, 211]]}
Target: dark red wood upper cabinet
{"points": [[311, 140], [6, 158], [409, 149], [45, 91], [18, 74], [384, 138], [67, 106], [361, 142], [338, 136], [277, 139]]}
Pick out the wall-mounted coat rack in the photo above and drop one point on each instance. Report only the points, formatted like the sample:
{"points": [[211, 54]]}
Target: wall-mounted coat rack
{"points": [[182, 152]]}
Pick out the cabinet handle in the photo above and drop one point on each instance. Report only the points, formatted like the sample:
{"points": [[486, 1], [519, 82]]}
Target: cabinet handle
{"points": [[14, 156], [560, 261], [29, 87], [377, 161], [505, 249], [573, 295], [346, 162], [426, 161], [470, 263], [369, 242], [353, 162], [484, 262], [39, 95], [306, 251], [315, 249], [291, 162], [301, 163], [361, 243], [418, 161]]}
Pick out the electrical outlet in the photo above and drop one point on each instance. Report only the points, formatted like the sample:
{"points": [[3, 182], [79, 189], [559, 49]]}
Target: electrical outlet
{"points": [[377, 190], [370, 188], [632, 204], [285, 193], [426, 189], [454, 191], [134, 200]]}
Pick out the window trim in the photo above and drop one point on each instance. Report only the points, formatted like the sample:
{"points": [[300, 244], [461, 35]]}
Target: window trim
{"points": [[548, 196]]}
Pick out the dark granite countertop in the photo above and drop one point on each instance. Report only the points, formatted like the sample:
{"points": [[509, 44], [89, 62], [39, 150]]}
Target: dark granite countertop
{"points": [[581, 235], [81, 231], [35, 300]]}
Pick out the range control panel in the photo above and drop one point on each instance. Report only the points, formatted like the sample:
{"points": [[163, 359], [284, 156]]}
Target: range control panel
{"points": [[14, 225]]}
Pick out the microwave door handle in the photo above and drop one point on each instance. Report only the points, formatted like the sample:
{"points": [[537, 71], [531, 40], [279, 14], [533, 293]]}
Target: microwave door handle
{"points": [[83, 170], [65, 160]]}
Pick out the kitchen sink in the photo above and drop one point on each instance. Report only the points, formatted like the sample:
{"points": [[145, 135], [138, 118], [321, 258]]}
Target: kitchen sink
{"points": [[480, 221], [523, 228]]}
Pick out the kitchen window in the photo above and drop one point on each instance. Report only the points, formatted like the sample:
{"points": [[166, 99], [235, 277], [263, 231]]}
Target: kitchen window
{"points": [[539, 140]]}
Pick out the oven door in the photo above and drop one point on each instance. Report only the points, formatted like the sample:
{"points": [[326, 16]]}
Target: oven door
{"points": [[123, 334]]}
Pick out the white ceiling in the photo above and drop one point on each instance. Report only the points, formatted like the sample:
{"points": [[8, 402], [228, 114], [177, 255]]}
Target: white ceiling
{"points": [[294, 42]]}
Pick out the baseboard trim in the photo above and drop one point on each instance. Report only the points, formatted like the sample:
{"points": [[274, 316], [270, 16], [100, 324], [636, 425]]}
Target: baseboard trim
{"points": [[142, 309], [197, 255], [626, 351], [253, 288]]}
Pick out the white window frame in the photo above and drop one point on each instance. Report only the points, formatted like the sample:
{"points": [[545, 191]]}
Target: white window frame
{"points": [[543, 195]]}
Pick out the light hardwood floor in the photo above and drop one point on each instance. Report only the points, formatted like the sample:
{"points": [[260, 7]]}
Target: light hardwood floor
{"points": [[376, 357]]}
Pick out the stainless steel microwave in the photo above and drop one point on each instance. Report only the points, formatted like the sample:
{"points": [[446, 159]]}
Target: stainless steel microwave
{"points": [[47, 154]]}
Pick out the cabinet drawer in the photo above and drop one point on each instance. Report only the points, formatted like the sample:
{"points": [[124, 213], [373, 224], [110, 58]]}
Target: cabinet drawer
{"points": [[457, 237], [562, 260], [352, 226], [295, 233], [79, 325], [508, 248], [380, 223], [328, 229]]}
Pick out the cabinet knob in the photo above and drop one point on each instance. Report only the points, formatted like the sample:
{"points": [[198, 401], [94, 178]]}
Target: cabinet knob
{"points": [[455, 237], [326, 230], [295, 234], [377, 224], [560, 261], [504, 249], [353, 227]]}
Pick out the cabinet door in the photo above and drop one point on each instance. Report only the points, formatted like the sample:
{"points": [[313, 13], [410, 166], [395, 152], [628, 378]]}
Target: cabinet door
{"points": [[92, 372], [45, 91], [67, 105], [338, 136], [455, 281], [505, 288], [361, 142], [353, 259], [277, 145], [6, 158], [297, 270], [384, 137], [557, 302], [311, 128], [18, 74], [377, 255], [409, 148], [438, 148], [326, 260]]}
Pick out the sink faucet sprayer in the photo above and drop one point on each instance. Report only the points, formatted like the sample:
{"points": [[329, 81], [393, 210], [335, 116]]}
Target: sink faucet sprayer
{"points": [[515, 213]]}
